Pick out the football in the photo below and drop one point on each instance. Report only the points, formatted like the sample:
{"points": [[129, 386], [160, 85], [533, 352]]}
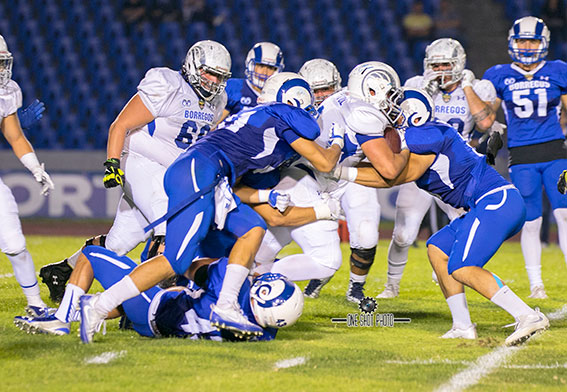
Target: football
{"points": [[393, 139]]}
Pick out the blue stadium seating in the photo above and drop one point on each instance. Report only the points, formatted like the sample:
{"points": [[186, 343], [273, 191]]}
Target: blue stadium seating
{"points": [[84, 62]]}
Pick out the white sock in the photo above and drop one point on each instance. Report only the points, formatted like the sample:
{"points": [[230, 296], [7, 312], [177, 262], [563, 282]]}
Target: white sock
{"points": [[358, 278], [233, 279], [301, 267], [459, 310], [24, 270], [560, 215], [397, 260], [510, 302], [531, 248], [69, 308], [116, 294], [72, 260]]}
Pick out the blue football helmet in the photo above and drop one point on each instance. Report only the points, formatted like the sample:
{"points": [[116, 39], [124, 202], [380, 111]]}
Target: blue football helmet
{"points": [[265, 53], [275, 300], [528, 27], [290, 88], [417, 108]]}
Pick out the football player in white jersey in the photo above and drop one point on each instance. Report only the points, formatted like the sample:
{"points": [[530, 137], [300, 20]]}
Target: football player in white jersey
{"points": [[171, 111], [12, 241], [460, 100], [363, 115]]}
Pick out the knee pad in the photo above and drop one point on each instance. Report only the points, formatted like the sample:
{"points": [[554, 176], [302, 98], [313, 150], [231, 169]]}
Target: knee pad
{"points": [[99, 240], [157, 242], [533, 226], [403, 238], [365, 254], [366, 235], [15, 246]]}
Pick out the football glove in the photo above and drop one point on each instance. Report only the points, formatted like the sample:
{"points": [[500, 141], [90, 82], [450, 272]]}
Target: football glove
{"points": [[468, 78], [44, 179], [430, 83], [278, 200], [337, 135], [31, 115], [562, 183], [495, 142], [113, 175]]}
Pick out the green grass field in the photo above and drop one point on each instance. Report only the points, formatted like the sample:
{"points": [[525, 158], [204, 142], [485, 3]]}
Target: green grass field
{"points": [[326, 356]]}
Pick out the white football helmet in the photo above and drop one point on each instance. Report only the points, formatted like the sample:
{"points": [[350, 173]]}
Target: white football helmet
{"points": [[417, 108], [446, 51], [276, 301], [528, 27], [290, 88], [379, 85], [265, 53], [211, 57], [323, 77], [6, 61]]}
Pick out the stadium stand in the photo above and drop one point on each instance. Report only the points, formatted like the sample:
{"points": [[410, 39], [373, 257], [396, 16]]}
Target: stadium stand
{"points": [[84, 62]]}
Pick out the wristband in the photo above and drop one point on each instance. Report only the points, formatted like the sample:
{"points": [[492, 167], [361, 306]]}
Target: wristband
{"points": [[322, 211], [30, 161], [263, 195]]}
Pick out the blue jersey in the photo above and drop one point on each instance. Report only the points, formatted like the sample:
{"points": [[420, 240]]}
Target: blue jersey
{"points": [[240, 95], [258, 139], [459, 175], [179, 311], [531, 100]]}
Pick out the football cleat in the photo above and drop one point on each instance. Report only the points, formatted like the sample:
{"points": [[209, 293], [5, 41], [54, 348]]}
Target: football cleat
{"points": [[526, 327], [39, 311], [233, 320], [49, 324], [392, 290], [91, 319], [538, 292], [55, 277], [355, 292], [461, 333], [314, 287]]}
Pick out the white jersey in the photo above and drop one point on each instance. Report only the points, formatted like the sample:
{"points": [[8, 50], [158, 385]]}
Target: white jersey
{"points": [[181, 117], [10, 99], [361, 121], [453, 107]]}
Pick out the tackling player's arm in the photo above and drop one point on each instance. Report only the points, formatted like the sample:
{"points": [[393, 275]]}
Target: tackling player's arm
{"points": [[292, 216], [416, 166], [388, 164], [563, 119], [495, 105], [322, 159], [134, 115]]}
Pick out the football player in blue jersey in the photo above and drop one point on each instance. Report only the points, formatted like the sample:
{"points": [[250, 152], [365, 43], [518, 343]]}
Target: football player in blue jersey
{"points": [[442, 163], [531, 91], [271, 302], [262, 61], [198, 185]]}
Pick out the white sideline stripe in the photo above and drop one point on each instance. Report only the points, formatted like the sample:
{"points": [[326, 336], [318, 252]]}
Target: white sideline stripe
{"points": [[483, 366], [486, 364], [291, 362], [105, 357], [555, 365]]}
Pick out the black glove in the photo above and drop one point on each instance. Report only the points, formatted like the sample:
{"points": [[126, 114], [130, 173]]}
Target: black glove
{"points": [[113, 175], [494, 144], [562, 183]]}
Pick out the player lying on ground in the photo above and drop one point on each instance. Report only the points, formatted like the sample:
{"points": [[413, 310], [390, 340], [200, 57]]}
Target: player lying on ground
{"points": [[270, 302], [442, 163]]}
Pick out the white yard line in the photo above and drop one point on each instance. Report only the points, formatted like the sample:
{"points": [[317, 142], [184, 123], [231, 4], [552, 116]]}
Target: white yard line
{"points": [[4, 276], [486, 364], [291, 362], [105, 357]]}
